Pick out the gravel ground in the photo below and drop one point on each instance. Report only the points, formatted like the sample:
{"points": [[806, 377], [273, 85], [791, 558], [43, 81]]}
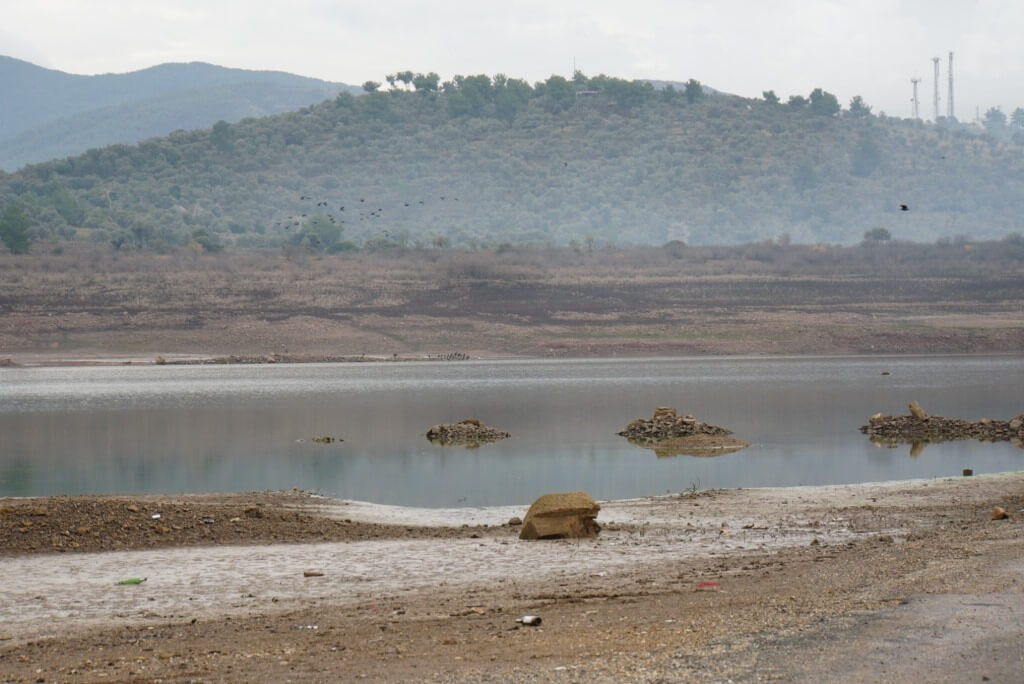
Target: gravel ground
{"points": [[909, 581]]}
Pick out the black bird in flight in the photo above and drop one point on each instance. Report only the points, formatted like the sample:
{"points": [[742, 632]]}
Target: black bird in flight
{"points": [[904, 207]]}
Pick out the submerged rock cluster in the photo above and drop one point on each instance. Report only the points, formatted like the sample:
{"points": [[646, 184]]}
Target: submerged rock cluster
{"points": [[670, 434], [918, 426], [468, 433], [667, 424]]}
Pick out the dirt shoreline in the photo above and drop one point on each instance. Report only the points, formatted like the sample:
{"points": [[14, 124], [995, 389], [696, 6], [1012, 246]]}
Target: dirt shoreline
{"points": [[897, 581], [44, 360], [448, 304]]}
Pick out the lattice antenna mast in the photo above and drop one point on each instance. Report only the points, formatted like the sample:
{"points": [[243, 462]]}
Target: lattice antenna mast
{"points": [[935, 63], [914, 101], [949, 93]]}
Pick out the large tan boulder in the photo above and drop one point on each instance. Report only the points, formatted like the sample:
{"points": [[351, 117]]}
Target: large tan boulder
{"points": [[561, 515]]}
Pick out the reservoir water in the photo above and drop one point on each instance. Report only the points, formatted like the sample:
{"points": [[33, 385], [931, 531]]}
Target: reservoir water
{"points": [[138, 429]]}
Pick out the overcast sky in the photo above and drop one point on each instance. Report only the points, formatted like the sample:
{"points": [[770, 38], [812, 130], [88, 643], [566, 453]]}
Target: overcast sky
{"points": [[848, 47]]}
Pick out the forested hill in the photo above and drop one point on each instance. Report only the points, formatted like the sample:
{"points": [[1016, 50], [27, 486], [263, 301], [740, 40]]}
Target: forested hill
{"points": [[47, 114], [482, 161]]}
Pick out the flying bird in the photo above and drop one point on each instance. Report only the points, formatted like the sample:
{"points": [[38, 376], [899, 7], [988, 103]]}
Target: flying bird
{"points": [[904, 207]]}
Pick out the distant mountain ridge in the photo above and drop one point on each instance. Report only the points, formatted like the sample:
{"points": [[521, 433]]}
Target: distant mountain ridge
{"points": [[47, 114]]}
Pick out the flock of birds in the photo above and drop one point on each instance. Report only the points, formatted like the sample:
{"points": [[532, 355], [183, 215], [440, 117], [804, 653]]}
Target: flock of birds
{"points": [[324, 209]]}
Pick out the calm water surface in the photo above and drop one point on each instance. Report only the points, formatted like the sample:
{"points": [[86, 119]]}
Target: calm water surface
{"points": [[238, 428]]}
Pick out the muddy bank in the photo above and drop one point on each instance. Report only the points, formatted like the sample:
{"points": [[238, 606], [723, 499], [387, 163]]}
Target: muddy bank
{"points": [[743, 585]]}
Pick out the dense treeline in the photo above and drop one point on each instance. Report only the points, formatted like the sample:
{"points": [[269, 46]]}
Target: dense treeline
{"points": [[485, 161]]}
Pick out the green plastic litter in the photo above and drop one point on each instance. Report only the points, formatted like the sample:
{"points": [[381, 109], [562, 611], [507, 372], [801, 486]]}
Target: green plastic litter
{"points": [[132, 580]]}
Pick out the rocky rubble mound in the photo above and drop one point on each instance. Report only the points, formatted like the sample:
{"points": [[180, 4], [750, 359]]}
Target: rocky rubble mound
{"points": [[918, 426], [468, 433], [666, 425], [670, 434]]}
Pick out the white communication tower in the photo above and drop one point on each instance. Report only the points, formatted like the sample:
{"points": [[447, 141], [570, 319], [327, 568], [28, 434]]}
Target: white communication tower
{"points": [[914, 101], [949, 94]]}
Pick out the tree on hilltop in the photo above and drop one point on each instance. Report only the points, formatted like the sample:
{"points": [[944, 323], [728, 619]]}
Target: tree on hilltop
{"points": [[694, 91], [425, 83], [1017, 118], [558, 91], [797, 101], [406, 77], [468, 95], [823, 103], [510, 96], [995, 120], [858, 108]]}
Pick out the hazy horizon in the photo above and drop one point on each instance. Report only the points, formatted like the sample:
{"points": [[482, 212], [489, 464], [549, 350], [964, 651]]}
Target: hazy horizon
{"points": [[871, 49]]}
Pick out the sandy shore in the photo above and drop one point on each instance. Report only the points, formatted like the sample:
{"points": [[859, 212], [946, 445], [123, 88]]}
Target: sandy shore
{"points": [[905, 581]]}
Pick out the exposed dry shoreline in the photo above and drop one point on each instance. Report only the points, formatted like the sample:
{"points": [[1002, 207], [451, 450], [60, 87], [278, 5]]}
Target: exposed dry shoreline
{"points": [[888, 582], [92, 306], [904, 581]]}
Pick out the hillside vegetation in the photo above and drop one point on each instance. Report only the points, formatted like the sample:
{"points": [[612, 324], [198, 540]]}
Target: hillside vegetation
{"points": [[48, 114], [484, 161]]}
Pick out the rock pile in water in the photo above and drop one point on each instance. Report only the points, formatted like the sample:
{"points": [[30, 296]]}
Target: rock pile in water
{"points": [[468, 433], [918, 426], [668, 425]]}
